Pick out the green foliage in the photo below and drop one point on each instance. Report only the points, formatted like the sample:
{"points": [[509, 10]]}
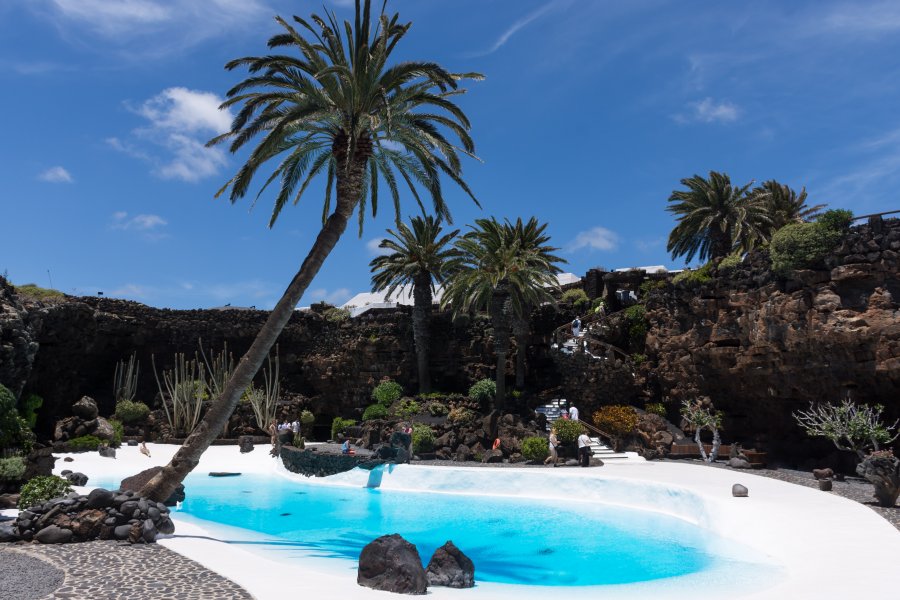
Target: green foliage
{"points": [[567, 431], [84, 443], [299, 441], [307, 418], [336, 315], [656, 408], [12, 469], [408, 408], [339, 424], [535, 448], [838, 219], [801, 246], [483, 390], [422, 438], [516, 394], [433, 396], [460, 415], [387, 392], [598, 303], [375, 411], [702, 415], [694, 277], [131, 412], [636, 321], [38, 293], [616, 420], [731, 261], [437, 409], [28, 409], [118, 432], [638, 358], [849, 426], [40, 489], [578, 298], [650, 285], [14, 430]]}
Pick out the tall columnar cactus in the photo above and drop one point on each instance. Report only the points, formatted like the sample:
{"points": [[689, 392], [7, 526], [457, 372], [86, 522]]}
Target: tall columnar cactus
{"points": [[265, 400], [126, 378], [184, 387]]}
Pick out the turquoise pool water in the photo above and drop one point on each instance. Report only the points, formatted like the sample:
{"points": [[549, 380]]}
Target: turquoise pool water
{"points": [[509, 540]]}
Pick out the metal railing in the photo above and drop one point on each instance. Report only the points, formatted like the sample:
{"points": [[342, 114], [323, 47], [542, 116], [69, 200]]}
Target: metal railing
{"points": [[600, 433]]}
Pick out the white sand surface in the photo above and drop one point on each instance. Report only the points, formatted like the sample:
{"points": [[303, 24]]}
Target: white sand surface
{"points": [[813, 544]]}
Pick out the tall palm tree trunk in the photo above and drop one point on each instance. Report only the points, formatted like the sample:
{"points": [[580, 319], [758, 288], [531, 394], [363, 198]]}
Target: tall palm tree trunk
{"points": [[422, 327], [500, 321], [349, 187], [520, 330]]}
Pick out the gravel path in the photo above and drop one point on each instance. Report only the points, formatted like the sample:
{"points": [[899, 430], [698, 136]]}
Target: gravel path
{"points": [[26, 577]]}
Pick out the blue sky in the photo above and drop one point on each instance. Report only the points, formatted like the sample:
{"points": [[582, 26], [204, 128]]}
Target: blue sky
{"points": [[590, 115]]}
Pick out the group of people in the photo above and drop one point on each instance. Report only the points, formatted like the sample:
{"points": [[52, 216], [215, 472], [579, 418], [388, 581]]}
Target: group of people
{"points": [[584, 442]]}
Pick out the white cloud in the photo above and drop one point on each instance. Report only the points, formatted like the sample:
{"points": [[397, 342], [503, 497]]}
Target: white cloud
{"points": [[518, 25], [709, 111], [335, 297], [872, 19], [56, 175], [148, 226], [179, 122], [598, 238], [374, 250]]}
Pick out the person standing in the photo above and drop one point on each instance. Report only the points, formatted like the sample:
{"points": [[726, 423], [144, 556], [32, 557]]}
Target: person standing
{"points": [[573, 413], [584, 449], [576, 327], [554, 454]]}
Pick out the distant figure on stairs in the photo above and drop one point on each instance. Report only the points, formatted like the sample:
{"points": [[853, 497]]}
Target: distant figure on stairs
{"points": [[573, 413], [576, 327]]}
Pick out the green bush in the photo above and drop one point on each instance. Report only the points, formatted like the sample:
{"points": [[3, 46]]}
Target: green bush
{"points": [[432, 396], [656, 408], [336, 315], [567, 431], [118, 432], [38, 293], [598, 303], [40, 489], [694, 277], [387, 392], [638, 358], [422, 438], [801, 246], [307, 418], [375, 411], [461, 415], [437, 409], [535, 449], [731, 261], [28, 409], [14, 430], [636, 321], [483, 391], [339, 425], [616, 419], [838, 219], [650, 285], [84, 443], [12, 469], [577, 297], [408, 408], [131, 412]]}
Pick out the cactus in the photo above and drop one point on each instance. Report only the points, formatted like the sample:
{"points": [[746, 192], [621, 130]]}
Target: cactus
{"points": [[185, 387], [126, 378]]}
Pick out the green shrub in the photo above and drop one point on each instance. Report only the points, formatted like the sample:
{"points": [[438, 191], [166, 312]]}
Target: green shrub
{"points": [[598, 303], [616, 419], [577, 297], [636, 321], [650, 285], [12, 469], [656, 408], [483, 391], [638, 358], [339, 425], [837, 219], [40, 489], [28, 409], [375, 411], [131, 412], [437, 409], [307, 418], [694, 277], [84, 443], [535, 449], [422, 438], [408, 408], [387, 392], [731, 261], [461, 415], [432, 396], [567, 431], [118, 432], [801, 246], [336, 315], [14, 430], [38, 293]]}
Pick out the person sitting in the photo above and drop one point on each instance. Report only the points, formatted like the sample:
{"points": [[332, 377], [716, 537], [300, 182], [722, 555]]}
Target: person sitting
{"points": [[346, 449]]}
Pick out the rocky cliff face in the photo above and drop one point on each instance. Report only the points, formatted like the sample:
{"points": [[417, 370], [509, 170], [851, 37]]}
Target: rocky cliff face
{"points": [[17, 340], [762, 347]]}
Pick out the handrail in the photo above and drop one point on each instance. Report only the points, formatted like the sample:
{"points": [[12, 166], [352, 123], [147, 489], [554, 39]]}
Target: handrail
{"points": [[599, 432]]}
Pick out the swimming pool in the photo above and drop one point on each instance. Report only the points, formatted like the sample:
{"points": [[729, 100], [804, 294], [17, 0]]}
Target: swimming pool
{"points": [[510, 539]]}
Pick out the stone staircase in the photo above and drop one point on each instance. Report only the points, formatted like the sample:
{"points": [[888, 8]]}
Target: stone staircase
{"points": [[554, 410]]}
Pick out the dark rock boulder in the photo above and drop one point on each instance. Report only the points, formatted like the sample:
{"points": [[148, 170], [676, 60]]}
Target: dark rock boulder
{"points": [[8, 533], [76, 478], [86, 408], [107, 452], [449, 567], [739, 491], [245, 443], [823, 473], [100, 498], [392, 564], [53, 535], [493, 456], [739, 463], [136, 482]]}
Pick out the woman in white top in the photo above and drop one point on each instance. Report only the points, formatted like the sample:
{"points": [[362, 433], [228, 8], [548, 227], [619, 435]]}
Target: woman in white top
{"points": [[554, 442]]}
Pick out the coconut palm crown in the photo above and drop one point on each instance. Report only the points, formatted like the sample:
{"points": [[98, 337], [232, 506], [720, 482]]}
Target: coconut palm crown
{"points": [[714, 217], [784, 205], [418, 256]]}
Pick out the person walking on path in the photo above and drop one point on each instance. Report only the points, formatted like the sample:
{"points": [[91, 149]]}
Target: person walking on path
{"points": [[584, 449], [554, 455], [573, 413], [576, 327]]}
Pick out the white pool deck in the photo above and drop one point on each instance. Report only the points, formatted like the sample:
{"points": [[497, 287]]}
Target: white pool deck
{"points": [[821, 545]]}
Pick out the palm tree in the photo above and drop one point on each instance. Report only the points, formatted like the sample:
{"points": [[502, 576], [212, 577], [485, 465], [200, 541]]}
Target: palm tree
{"points": [[784, 205], [714, 217], [419, 257], [338, 109], [502, 268]]}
